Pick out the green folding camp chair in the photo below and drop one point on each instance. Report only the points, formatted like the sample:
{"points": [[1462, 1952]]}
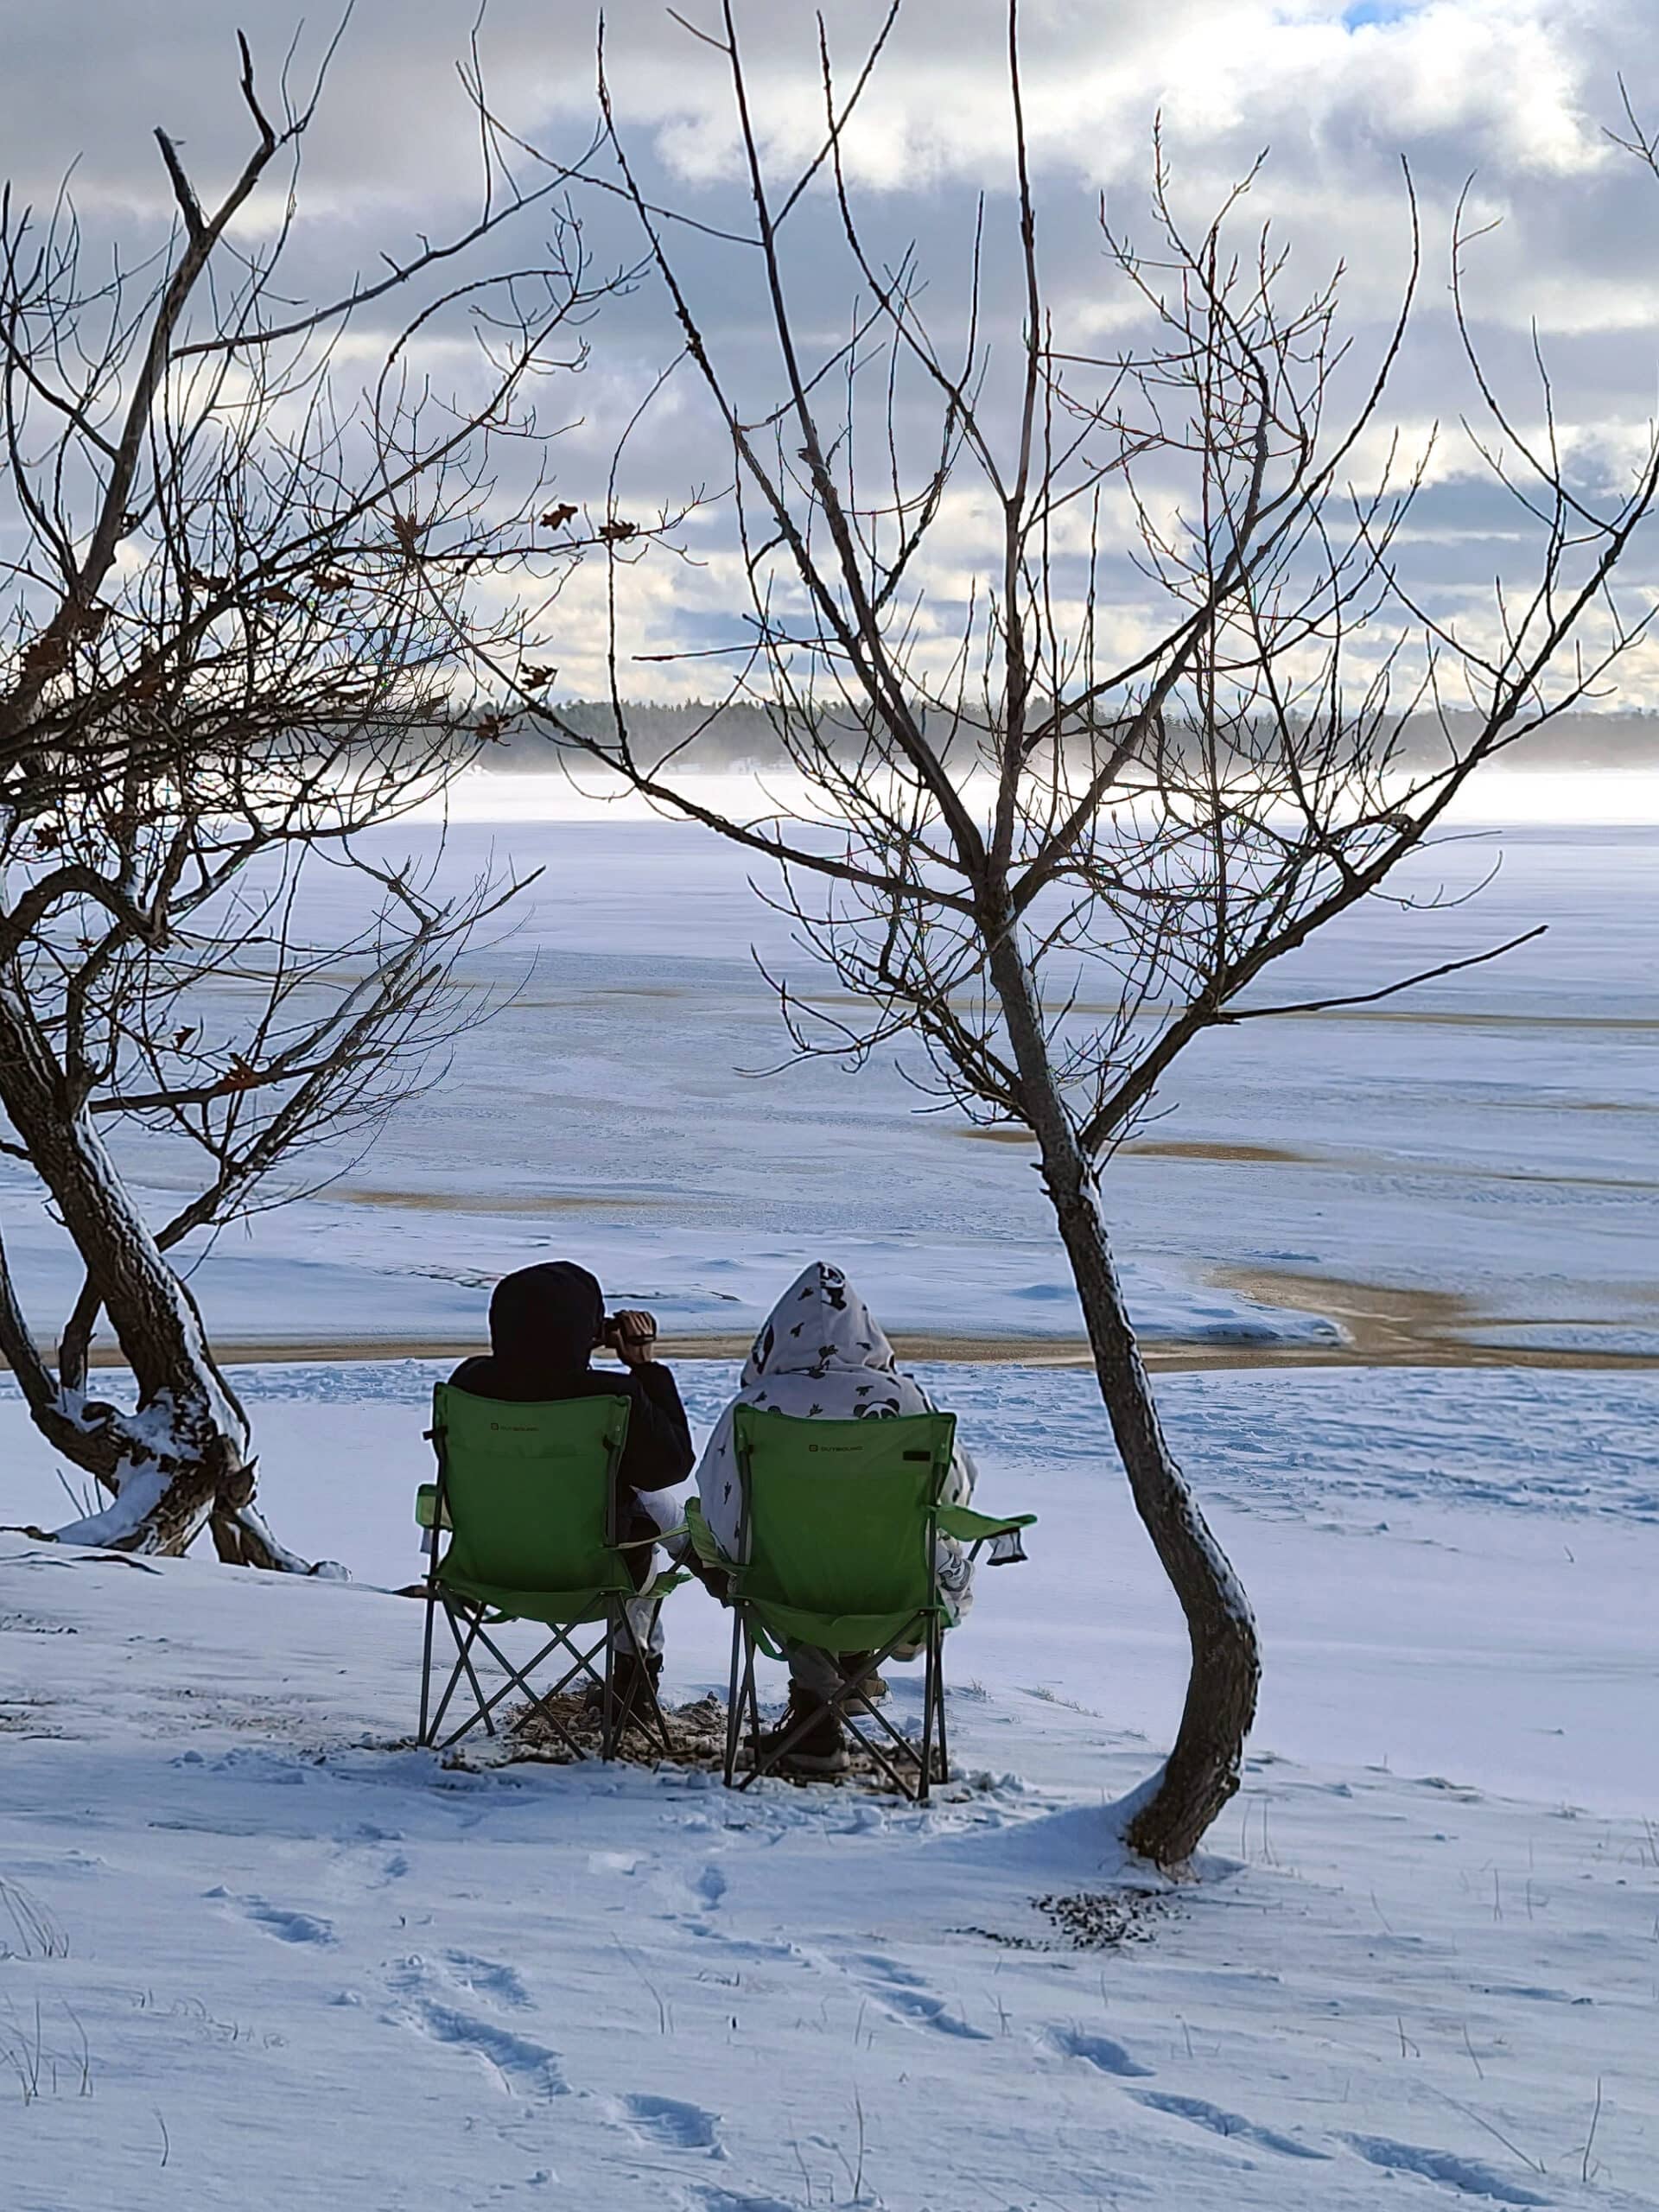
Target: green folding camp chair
{"points": [[838, 1546], [526, 1496]]}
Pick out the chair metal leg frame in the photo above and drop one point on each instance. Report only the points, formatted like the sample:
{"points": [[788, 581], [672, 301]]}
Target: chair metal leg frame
{"points": [[516, 1678], [742, 1702], [921, 1758], [615, 1721], [935, 1662], [933, 1709], [520, 1679], [426, 1654], [835, 1703], [463, 1665], [607, 1690], [652, 1719], [734, 1709], [453, 1615]]}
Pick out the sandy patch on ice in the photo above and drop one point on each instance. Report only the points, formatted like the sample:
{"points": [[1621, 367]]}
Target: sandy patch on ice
{"points": [[1387, 1325], [1384, 1327], [512, 1202], [1168, 1148], [1206, 1152]]}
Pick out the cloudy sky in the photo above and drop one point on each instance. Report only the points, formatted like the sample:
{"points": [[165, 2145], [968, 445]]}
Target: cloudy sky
{"points": [[1517, 94]]}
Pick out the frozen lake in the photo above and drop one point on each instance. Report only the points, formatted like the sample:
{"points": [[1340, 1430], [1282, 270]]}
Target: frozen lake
{"points": [[1476, 1156]]}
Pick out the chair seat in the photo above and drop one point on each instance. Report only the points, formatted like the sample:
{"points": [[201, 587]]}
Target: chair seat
{"points": [[552, 1608], [561, 1609], [837, 1631]]}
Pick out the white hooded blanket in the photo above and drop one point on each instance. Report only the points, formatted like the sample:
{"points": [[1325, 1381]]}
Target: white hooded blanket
{"points": [[821, 1355]]}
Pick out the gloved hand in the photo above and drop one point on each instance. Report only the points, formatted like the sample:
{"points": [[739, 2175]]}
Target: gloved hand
{"points": [[631, 1333]]}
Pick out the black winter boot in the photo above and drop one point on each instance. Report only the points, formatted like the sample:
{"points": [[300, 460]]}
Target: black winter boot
{"points": [[872, 1688], [629, 1676], [820, 1749]]}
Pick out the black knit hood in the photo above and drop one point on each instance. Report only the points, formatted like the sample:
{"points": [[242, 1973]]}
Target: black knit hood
{"points": [[546, 1318]]}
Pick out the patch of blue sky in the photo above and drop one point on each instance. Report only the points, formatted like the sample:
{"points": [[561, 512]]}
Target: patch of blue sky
{"points": [[1360, 13]]}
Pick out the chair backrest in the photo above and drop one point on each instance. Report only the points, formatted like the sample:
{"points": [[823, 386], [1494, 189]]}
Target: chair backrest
{"points": [[838, 1514], [529, 1491]]}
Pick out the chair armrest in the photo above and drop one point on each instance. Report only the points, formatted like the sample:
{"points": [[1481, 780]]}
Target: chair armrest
{"points": [[670, 1578], [426, 1506], [657, 1536], [971, 1527], [703, 1540]]}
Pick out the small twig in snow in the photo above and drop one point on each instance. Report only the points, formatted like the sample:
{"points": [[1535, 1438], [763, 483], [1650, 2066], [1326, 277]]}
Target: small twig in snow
{"points": [[1533, 2165], [1586, 2169], [664, 2017]]}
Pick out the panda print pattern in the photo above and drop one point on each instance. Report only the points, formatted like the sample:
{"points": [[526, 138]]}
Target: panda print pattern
{"points": [[820, 1357]]}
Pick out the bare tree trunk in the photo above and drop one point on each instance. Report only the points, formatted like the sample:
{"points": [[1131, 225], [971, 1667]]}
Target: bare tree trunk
{"points": [[242, 1538], [180, 1460], [1204, 1768]]}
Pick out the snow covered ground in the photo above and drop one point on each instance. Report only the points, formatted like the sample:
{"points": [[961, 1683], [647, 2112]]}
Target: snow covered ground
{"points": [[280, 1958]]}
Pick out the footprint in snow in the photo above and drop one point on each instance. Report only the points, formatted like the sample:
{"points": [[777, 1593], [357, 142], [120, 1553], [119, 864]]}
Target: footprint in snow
{"points": [[899, 1991], [724, 2199], [460, 1970], [1233, 2125], [1099, 2052], [350, 1858], [1534, 1991], [520, 2067], [287, 1926], [488, 1978], [698, 1888], [740, 1947], [666, 2121], [1467, 2176]]}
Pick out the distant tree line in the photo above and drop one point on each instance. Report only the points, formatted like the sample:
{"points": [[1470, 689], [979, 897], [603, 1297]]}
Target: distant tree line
{"points": [[705, 734]]}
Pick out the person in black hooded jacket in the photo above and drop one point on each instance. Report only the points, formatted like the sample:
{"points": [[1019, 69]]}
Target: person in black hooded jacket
{"points": [[546, 1322]]}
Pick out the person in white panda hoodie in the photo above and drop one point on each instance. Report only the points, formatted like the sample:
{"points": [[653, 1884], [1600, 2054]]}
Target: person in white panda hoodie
{"points": [[820, 1357]]}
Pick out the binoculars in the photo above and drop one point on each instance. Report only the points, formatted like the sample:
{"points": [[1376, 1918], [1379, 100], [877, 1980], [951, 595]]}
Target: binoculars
{"points": [[611, 1331]]}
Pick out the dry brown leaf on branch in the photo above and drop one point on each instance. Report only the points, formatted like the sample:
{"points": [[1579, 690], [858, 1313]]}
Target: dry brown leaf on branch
{"points": [[240, 1075], [556, 518], [45, 655]]}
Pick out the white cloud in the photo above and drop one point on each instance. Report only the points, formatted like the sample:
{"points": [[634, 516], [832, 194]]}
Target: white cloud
{"points": [[1516, 93]]}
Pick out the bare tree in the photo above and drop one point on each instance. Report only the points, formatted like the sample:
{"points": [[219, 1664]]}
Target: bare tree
{"points": [[1050, 858], [234, 575]]}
